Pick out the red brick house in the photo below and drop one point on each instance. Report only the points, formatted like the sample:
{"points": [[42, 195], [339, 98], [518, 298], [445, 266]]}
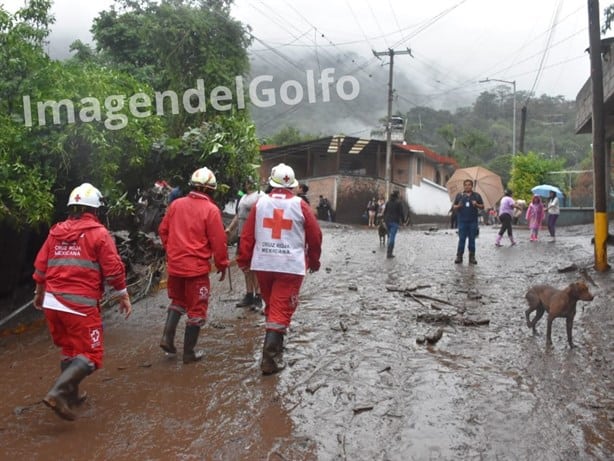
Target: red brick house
{"points": [[350, 171]]}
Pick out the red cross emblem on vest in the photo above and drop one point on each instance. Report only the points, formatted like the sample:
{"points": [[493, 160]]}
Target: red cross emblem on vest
{"points": [[277, 223]]}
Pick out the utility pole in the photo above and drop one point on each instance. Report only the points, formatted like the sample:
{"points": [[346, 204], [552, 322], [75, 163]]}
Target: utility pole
{"points": [[599, 155], [390, 53], [523, 126]]}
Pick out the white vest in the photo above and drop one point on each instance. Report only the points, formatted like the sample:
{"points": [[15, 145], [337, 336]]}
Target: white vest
{"points": [[280, 235]]}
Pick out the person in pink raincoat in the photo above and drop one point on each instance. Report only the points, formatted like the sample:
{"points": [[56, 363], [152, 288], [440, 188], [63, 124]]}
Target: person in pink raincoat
{"points": [[535, 216]]}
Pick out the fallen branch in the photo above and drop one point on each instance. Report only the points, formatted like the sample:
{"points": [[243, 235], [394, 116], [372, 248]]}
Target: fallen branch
{"points": [[443, 301], [415, 298], [403, 290]]}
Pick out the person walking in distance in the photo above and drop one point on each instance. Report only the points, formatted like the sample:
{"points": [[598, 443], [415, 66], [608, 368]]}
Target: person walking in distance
{"points": [[192, 232], [372, 211], [467, 204], [553, 211], [393, 217], [535, 216], [252, 298], [78, 257], [302, 192], [280, 241], [506, 210]]}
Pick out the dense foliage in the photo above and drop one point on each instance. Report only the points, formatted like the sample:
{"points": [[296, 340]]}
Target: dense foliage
{"points": [[94, 117]]}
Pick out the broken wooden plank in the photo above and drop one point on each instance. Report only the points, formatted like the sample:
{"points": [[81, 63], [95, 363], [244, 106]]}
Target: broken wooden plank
{"points": [[443, 301]]}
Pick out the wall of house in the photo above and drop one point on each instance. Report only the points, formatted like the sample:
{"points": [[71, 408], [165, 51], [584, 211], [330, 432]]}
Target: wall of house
{"points": [[324, 186], [411, 169], [584, 99], [348, 195], [401, 169], [428, 199]]}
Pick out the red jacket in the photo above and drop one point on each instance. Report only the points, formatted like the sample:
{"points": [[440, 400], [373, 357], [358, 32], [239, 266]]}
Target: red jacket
{"points": [[313, 236], [79, 255], [192, 231]]}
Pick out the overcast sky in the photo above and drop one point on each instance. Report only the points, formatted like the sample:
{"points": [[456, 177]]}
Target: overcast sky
{"points": [[539, 44]]}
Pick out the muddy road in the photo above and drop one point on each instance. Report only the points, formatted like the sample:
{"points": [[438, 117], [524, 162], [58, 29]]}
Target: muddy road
{"points": [[358, 386]]}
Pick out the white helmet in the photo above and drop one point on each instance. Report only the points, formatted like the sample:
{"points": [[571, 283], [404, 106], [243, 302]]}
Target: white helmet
{"points": [[85, 195], [282, 175], [204, 177]]}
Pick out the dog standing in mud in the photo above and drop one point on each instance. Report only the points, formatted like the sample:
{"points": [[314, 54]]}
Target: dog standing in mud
{"points": [[382, 231], [558, 303]]}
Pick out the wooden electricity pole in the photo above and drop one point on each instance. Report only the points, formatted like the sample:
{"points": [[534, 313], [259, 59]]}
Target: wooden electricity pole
{"points": [[599, 153], [390, 53]]}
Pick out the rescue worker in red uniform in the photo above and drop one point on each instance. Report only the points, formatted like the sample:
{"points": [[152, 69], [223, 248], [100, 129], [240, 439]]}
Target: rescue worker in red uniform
{"points": [[192, 231], [78, 257], [280, 241]]}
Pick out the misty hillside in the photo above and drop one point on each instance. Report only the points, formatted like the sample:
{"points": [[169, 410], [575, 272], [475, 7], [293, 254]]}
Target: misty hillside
{"points": [[356, 117], [472, 130]]}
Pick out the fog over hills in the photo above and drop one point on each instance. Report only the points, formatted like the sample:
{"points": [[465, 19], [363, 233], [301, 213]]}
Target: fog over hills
{"points": [[356, 117]]}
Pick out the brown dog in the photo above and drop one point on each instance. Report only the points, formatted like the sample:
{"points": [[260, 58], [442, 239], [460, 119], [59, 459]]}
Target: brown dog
{"points": [[558, 303], [382, 231]]}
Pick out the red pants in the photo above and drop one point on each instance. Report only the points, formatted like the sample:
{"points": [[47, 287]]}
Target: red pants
{"points": [[77, 335], [190, 295], [280, 294]]}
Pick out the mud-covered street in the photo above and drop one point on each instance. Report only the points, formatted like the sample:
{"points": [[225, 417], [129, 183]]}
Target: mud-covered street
{"points": [[358, 386]]}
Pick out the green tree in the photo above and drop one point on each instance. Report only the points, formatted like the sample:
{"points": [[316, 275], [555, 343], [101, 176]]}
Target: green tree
{"points": [[487, 106], [289, 135], [226, 144], [472, 147], [25, 186], [608, 14], [502, 165], [45, 155], [532, 169], [171, 44]]}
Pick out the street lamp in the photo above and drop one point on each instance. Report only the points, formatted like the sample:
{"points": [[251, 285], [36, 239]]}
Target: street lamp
{"points": [[513, 83]]}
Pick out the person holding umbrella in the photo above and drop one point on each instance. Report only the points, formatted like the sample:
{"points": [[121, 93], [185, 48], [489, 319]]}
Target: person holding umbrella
{"points": [[553, 211], [467, 204]]}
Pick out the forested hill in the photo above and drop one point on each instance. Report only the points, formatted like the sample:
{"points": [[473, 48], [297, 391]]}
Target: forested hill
{"points": [[475, 131]]}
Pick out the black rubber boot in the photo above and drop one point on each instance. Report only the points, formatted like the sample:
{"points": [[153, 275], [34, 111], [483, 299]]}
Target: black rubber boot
{"points": [[189, 342], [167, 343], [257, 304], [58, 398], [247, 300], [472, 259], [75, 398], [389, 252], [272, 353], [459, 258]]}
